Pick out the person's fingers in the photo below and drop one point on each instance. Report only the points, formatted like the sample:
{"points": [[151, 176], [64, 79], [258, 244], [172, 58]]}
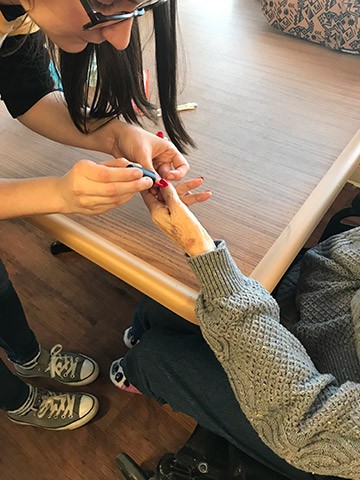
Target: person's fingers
{"points": [[171, 164], [122, 162], [143, 156], [104, 174], [148, 198], [154, 191], [178, 173], [170, 196], [91, 179], [116, 162], [113, 190], [163, 169], [180, 166], [192, 198], [151, 201], [184, 187]]}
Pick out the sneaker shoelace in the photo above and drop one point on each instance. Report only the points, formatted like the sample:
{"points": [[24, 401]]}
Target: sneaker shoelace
{"points": [[60, 364], [43, 402], [57, 405]]}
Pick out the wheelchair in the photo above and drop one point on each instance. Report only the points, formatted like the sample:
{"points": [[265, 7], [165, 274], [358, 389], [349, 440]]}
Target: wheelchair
{"points": [[207, 456]]}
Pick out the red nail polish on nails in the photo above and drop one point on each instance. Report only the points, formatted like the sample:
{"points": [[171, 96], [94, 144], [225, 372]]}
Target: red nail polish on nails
{"points": [[161, 183], [160, 134]]}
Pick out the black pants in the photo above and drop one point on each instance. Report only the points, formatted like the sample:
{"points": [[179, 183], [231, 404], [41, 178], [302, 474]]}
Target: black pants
{"points": [[173, 364], [18, 341]]}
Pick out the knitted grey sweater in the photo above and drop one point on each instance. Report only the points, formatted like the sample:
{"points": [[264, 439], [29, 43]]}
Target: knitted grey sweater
{"points": [[308, 415]]}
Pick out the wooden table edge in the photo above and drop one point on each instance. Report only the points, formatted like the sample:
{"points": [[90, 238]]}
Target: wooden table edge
{"points": [[175, 295], [136, 272], [277, 260]]}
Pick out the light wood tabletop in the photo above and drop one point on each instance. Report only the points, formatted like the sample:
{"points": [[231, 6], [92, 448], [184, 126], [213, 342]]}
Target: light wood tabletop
{"points": [[277, 133]]}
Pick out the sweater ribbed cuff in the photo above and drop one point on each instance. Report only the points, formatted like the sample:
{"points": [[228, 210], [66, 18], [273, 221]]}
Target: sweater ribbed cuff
{"points": [[217, 272]]}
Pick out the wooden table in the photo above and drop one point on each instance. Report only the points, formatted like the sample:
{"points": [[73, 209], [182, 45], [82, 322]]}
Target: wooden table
{"points": [[277, 135]]}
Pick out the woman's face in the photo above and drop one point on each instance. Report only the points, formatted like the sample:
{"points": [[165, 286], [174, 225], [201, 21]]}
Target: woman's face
{"points": [[62, 22]]}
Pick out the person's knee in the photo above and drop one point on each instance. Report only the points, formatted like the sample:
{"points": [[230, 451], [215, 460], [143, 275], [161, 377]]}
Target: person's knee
{"points": [[150, 314], [146, 308], [146, 356], [145, 304], [4, 280], [146, 364]]}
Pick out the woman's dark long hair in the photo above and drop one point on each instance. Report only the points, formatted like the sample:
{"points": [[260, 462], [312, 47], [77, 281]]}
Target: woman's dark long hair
{"points": [[120, 79]]}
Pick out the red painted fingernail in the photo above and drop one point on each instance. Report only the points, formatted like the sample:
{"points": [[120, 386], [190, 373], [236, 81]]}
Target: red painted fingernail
{"points": [[161, 183], [160, 134], [202, 178]]}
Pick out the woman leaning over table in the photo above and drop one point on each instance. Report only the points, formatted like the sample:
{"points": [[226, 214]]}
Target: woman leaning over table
{"points": [[78, 33]]}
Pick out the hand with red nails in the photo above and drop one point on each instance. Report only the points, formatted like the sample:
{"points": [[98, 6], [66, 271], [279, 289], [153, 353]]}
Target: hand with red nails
{"points": [[174, 218]]}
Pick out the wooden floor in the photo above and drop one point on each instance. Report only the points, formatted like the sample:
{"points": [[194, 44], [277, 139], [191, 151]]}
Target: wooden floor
{"points": [[68, 300], [71, 301]]}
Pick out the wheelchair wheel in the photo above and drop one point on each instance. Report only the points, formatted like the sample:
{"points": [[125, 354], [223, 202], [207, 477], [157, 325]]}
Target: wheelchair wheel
{"points": [[130, 469]]}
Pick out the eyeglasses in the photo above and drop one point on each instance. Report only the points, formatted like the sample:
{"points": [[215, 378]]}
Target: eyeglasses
{"points": [[97, 18]]}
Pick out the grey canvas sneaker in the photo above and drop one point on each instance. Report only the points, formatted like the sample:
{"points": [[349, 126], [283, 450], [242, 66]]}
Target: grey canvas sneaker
{"points": [[68, 368], [55, 411]]}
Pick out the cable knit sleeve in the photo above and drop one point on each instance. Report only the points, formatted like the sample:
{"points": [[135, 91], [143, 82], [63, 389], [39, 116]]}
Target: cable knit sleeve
{"points": [[301, 414], [334, 24]]}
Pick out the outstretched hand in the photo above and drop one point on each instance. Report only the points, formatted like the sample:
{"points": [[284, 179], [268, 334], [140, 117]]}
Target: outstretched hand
{"points": [[172, 215]]}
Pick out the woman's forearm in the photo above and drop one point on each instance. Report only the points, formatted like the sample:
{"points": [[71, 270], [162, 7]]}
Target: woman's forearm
{"points": [[50, 118], [20, 198]]}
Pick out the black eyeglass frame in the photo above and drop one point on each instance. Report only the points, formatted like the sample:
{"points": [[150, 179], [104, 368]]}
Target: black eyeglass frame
{"points": [[97, 18]]}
